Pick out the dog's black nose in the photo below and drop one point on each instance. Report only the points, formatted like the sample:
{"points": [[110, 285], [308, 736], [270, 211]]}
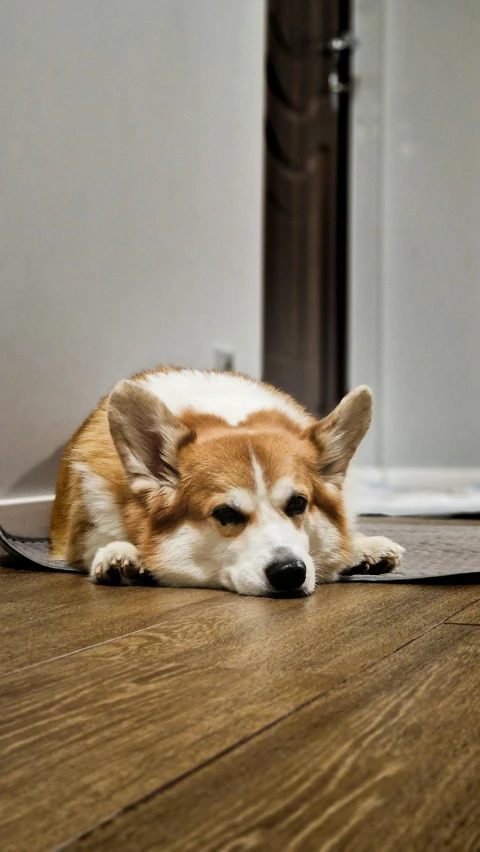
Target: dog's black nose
{"points": [[286, 575]]}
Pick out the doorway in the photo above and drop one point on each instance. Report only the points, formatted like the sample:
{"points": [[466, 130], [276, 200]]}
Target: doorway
{"points": [[305, 225]]}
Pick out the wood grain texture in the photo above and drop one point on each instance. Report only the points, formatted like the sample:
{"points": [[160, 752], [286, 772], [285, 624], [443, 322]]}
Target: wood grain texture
{"points": [[88, 734], [389, 760], [44, 615], [165, 680]]}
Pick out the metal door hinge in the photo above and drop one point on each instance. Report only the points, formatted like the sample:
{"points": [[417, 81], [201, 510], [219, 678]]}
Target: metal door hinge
{"points": [[335, 85]]}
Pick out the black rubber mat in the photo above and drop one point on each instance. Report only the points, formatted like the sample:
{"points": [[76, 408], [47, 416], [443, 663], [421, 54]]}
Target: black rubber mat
{"points": [[34, 551]]}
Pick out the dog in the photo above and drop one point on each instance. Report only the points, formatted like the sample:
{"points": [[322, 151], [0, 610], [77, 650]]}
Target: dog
{"points": [[213, 480]]}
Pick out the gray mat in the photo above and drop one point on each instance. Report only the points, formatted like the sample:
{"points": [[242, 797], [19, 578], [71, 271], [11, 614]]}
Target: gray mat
{"points": [[436, 553]]}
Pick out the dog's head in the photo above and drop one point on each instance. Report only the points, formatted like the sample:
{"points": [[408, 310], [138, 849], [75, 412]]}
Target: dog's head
{"points": [[256, 508]]}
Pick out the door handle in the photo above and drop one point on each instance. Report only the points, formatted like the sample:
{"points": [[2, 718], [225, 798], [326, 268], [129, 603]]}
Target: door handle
{"points": [[341, 43]]}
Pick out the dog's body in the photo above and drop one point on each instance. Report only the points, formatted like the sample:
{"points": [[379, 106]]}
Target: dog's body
{"points": [[213, 480]]}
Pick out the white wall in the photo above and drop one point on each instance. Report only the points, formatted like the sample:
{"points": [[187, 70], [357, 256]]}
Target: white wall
{"points": [[416, 216], [130, 204]]}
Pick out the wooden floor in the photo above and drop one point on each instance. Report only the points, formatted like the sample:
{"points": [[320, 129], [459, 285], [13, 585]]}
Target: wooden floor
{"points": [[142, 718]]}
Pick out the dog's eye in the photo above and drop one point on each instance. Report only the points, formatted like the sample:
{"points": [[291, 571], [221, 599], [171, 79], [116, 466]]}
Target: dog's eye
{"points": [[225, 515], [296, 506]]}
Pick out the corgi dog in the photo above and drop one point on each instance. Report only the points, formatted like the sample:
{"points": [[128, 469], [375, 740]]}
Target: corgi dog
{"points": [[213, 480]]}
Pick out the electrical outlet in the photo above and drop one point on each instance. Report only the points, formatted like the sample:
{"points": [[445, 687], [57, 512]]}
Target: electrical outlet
{"points": [[223, 359]]}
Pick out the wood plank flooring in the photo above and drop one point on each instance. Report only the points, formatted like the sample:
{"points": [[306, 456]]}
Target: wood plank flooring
{"points": [[144, 718]]}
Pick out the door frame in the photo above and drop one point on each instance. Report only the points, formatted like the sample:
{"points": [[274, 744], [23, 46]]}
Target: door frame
{"points": [[365, 357]]}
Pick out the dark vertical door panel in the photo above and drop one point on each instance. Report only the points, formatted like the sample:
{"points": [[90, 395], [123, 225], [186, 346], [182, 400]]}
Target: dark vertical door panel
{"points": [[305, 211]]}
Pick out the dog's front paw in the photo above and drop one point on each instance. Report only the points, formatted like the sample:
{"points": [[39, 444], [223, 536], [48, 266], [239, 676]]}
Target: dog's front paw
{"points": [[374, 555], [118, 563]]}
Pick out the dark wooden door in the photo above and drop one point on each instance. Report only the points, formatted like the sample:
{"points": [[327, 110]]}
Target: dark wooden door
{"points": [[305, 248]]}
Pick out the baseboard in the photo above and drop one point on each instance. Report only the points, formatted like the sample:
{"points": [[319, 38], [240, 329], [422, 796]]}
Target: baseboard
{"points": [[416, 491], [28, 516]]}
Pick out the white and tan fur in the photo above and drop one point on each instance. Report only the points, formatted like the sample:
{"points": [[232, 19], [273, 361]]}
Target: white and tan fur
{"points": [[209, 479]]}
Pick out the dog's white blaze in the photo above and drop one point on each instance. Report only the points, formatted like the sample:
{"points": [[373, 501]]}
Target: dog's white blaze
{"points": [[260, 485], [272, 529], [267, 503], [231, 397]]}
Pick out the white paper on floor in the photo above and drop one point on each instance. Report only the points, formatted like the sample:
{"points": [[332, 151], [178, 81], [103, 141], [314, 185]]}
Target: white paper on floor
{"points": [[416, 491]]}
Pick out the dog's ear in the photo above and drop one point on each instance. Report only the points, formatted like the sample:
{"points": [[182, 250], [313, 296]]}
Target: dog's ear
{"points": [[337, 436], [147, 438]]}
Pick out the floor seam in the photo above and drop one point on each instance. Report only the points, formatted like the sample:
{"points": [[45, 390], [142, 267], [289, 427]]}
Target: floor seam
{"points": [[458, 611], [104, 642]]}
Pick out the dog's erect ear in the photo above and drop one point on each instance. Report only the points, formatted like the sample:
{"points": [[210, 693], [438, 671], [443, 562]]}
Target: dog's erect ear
{"points": [[337, 436], [147, 438]]}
